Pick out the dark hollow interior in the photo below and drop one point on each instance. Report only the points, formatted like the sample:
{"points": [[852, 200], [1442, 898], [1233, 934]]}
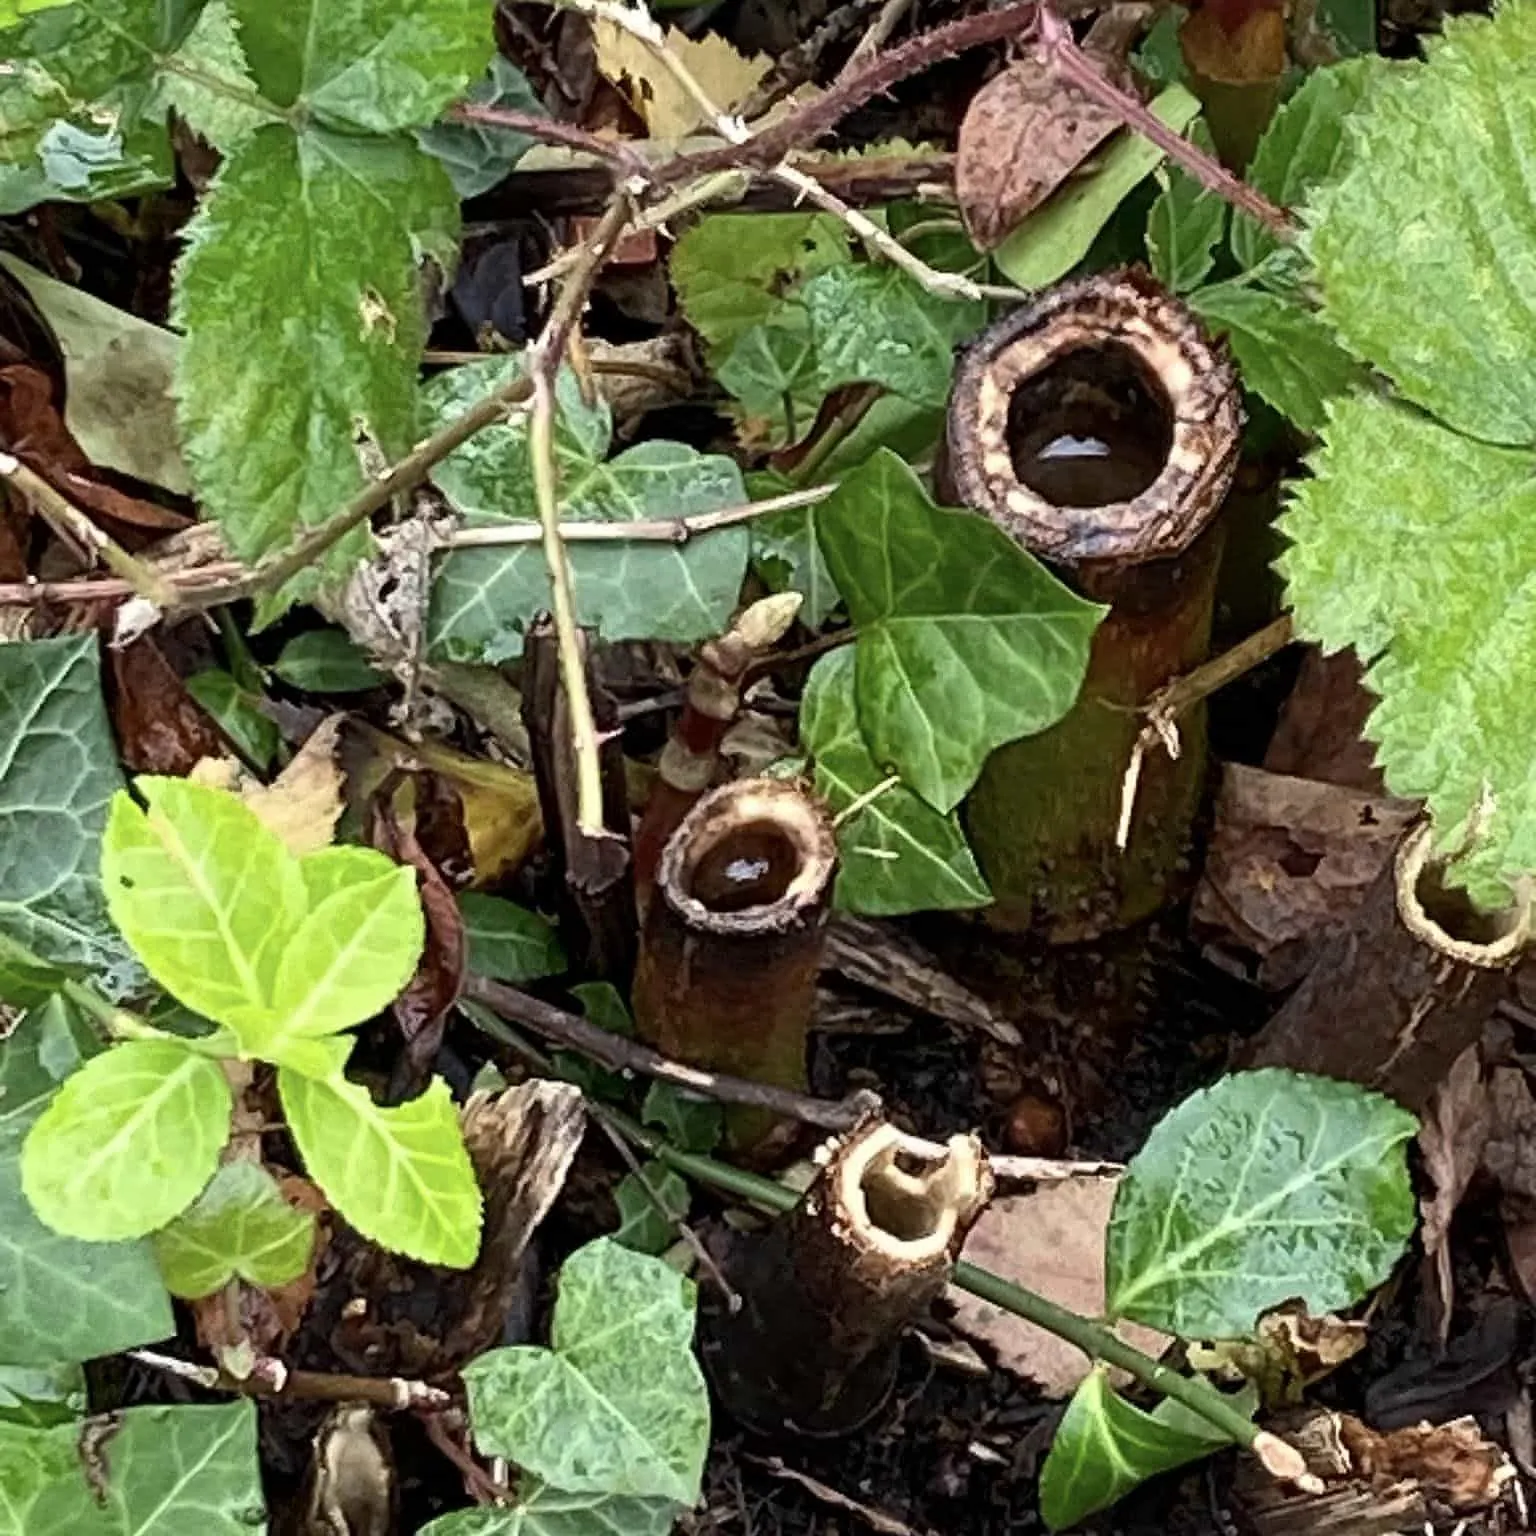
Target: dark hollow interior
{"points": [[1453, 911], [751, 866], [1090, 429]]}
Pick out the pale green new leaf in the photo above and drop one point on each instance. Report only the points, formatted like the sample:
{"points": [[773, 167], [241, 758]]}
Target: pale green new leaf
{"points": [[617, 1404], [898, 854], [128, 1141], [321, 233], [160, 1471], [1268, 1187], [1426, 246], [1285, 351], [1105, 1446], [544, 1511], [648, 1218], [239, 1227], [375, 66], [1186, 222], [12, 11], [965, 641], [399, 1175], [508, 942], [1415, 545], [58, 771]]}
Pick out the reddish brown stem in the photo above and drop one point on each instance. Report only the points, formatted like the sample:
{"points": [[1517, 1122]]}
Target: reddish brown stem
{"points": [[548, 131]]}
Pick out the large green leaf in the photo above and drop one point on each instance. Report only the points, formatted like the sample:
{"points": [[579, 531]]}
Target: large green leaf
{"points": [[897, 854], [399, 1175], [1416, 546], [617, 1404], [965, 640], [375, 66], [484, 599], [151, 1472], [58, 771], [329, 229], [1268, 1187], [544, 1511], [508, 942], [239, 1227], [1105, 1446], [1426, 246], [128, 1141]]}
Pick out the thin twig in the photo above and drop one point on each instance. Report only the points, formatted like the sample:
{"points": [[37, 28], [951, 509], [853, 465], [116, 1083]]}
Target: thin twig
{"points": [[880, 32], [478, 1483], [548, 131], [395, 1394]]}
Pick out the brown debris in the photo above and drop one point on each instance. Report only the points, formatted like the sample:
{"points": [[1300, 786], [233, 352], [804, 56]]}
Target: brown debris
{"points": [[1452, 1138], [160, 727], [1451, 1462], [1321, 731]]}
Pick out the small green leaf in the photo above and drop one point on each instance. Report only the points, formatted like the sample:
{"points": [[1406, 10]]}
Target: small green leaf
{"points": [[1285, 351], [689, 1122], [617, 1404], [38, 1396], [774, 372], [897, 854], [1053, 239], [326, 661], [1186, 222], [603, 1003], [642, 1225], [399, 1175], [787, 555], [1105, 1446], [238, 714], [1268, 1187], [508, 942], [26, 979], [239, 1227], [965, 640], [476, 155], [127, 1142], [544, 1511]]}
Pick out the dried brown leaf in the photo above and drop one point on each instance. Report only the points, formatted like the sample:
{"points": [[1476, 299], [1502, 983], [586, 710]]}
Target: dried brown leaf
{"points": [[160, 727], [1452, 1139], [1452, 1462], [668, 110]]}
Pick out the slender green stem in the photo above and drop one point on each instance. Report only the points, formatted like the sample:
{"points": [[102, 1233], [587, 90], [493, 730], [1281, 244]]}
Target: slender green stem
{"points": [[119, 1023]]}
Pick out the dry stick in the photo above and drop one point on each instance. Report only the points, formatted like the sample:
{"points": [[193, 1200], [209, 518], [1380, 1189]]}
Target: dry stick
{"points": [[73, 526], [393, 1393], [878, 35]]}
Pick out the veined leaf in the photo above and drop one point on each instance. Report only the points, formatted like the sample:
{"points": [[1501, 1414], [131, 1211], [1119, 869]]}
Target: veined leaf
{"points": [[965, 640], [40, 1396], [1269, 1186], [617, 1405], [898, 854], [544, 1511], [476, 155], [326, 661], [399, 1175], [127, 1142], [648, 1219], [508, 942], [212, 53], [12, 11], [26, 979], [58, 770], [239, 1227], [692, 1123], [238, 714], [1186, 222], [1426, 245]]}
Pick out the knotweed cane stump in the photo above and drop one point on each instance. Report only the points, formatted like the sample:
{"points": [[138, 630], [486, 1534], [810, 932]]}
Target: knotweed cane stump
{"points": [[1099, 427]]}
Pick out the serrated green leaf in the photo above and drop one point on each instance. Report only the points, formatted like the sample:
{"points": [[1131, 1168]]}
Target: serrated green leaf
{"points": [[965, 640], [1305, 145], [12, 11], [1413, 544], [39, 1396], [58, 771], [507, 942], [484, 599], [477, 155], [731, 269], [1053, 239], [1105, 1446], [1268, 1187], [399, 1175], [898, 854], [1285, 351], [239, 1227], [648, 1220], [617, 1404], [689, 1122], [159, 1470], [238, 714], [544, 1511], [326, 661], [272, 414], [1186, 222], [128, 1141], [211, 58], [1426, 246], [370, 66]]}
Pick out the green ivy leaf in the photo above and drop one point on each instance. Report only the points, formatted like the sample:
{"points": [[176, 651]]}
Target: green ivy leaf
{"points": [[786, 554], [238, 714], [1285, 351], [128, 1141], [326, 661], [1186, 222], [689, 1122], [617, 1404], [271, 414], [1053, 239], [239, 1227], [368, 66], [26, 979], [484, 599], [508, 942], [642, 1226], [39, 1396], [544, 1511], [160, 1470], [965, 640], [898, 854], [1105, 1446], [399, 1175], [774, 372], [478, 156], [1426, 246], [58, 770], [1267, 1187], [1411, 543]]}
